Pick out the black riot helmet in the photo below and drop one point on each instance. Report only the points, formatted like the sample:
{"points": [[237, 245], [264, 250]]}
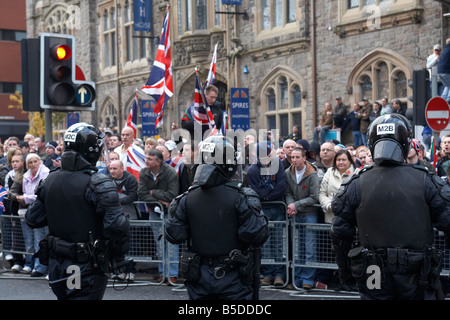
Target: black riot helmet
{"points": [[389, 139], [220, 152], [85, 139]]}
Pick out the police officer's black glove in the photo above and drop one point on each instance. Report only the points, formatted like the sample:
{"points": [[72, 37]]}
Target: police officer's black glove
{"points": [[119, 265]]}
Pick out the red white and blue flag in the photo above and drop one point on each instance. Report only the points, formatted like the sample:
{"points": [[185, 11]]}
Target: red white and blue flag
{"points": [[3, 193], [135, 160], [202, 114], [209, 81], [159, 84], [212, 69], [176, 163], [132, 117]]}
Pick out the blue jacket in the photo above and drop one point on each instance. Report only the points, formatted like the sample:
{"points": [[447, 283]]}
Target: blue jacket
{"points": [[354, 122], [271, 187], [444, 61]]}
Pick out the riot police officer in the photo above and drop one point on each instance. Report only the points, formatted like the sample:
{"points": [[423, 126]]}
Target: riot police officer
{"points": [[221, 221], [395, 206], [88, 232]]}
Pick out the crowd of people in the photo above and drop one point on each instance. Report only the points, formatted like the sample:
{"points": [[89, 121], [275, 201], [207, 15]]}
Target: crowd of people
{"points": [[307, 177], [303, 175]]}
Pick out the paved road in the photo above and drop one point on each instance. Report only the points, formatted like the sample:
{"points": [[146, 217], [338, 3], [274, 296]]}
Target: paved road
{"points": [[15, 286]]}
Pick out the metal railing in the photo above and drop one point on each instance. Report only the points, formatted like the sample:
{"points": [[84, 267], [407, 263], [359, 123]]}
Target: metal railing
{"points": [[291, 245]]}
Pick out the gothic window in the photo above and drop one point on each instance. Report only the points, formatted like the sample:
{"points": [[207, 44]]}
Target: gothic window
{"points": [[109, 116], [380, 75], [56, 21], [282, 99]]}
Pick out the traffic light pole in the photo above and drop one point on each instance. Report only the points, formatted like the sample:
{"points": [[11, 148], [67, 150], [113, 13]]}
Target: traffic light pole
{"points": [[434, 93], [48, 125]]}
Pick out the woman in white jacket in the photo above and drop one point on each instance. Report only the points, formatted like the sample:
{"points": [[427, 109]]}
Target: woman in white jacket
{"points": [[343, 169]]}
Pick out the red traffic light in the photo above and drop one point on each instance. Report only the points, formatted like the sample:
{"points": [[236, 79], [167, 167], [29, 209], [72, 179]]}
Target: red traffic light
{"points": [[61, 52]]}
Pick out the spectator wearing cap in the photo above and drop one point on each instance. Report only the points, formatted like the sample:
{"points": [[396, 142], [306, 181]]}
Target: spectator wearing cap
{"points": [[355, 125], [50, 150], [415, 156], [267, 178], [432, 62], [340, 113], [108, 134], [364, 116]]}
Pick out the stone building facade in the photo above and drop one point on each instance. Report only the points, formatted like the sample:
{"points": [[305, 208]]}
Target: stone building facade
{"points": [[299, 54]]}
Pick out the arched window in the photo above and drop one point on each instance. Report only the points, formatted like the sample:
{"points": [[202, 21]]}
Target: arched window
{"points": [[108, 115], [381, 73], [56, 21], [281, 102]]}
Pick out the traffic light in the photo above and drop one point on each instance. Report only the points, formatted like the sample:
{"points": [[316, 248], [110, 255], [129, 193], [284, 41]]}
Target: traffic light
{"points": [[420, 85], [59, 89]]}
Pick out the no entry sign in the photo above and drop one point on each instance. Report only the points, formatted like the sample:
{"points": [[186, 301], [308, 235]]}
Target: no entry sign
{"points": [[437, 114]]}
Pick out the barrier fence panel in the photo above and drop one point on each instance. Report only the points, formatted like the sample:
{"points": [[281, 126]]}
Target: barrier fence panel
{"points": [[310, 244], [275, 251], [311, 248], [13, 242], [147, 235]]}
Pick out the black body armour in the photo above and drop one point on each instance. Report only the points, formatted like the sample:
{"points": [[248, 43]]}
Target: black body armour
{"points": [[69, 215], [393, 212], [213, 220]]}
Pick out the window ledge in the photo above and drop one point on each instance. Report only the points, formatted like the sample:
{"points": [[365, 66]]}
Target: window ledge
{"points": [[351, 26]]}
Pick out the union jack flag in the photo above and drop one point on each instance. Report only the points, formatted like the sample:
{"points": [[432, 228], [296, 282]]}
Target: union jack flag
{"points": [[135, 160], [132, 117], [159, 84], [202, 115], [3, 194]]}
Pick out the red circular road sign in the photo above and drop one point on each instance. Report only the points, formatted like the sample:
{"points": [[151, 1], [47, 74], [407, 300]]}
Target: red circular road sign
{"points": [[437, 114]]}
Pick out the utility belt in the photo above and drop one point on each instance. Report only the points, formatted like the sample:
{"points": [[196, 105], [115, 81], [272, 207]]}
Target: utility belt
{"points": [[190, 263], [79, 252], [427, 263]]}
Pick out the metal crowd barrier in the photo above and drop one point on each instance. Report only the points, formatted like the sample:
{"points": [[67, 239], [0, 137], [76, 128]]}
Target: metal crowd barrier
{"points": [[285, 247], [275, 251], [12, 237], [147, 242], [323, 256]]}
